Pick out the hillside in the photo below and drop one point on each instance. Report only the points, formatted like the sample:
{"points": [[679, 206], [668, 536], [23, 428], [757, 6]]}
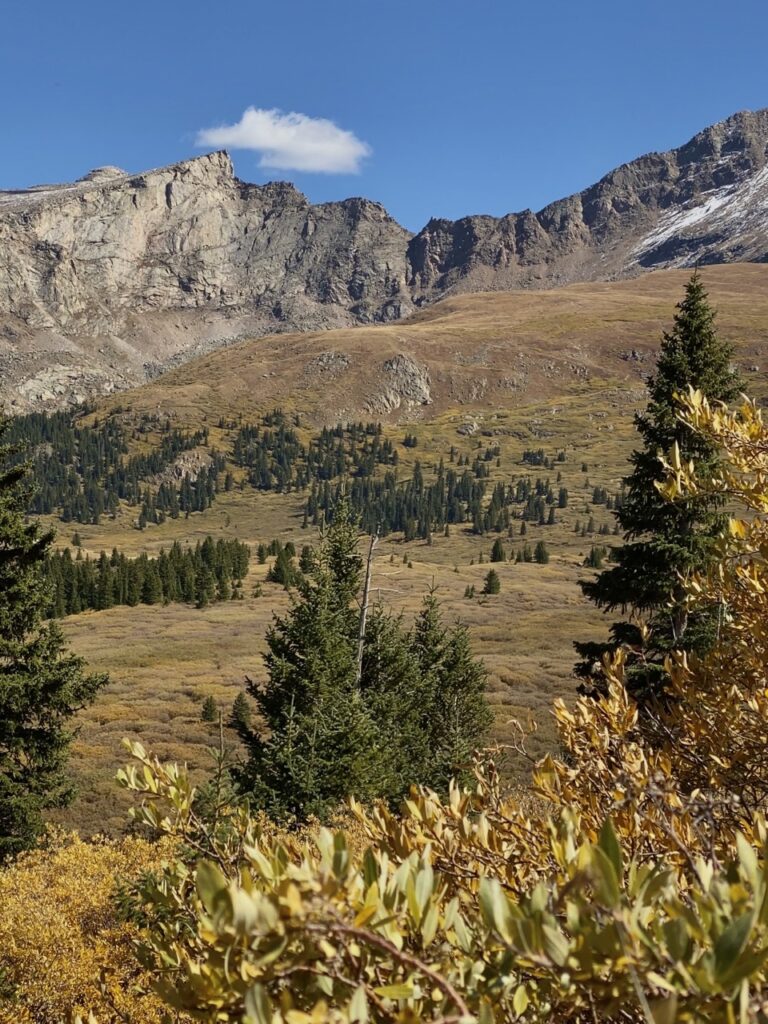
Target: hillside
{"points": [[107, 281], [582, 353], [467, 355]]}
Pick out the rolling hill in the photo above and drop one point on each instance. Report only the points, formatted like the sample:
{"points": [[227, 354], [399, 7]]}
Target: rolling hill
{"points": [[561, 371]]}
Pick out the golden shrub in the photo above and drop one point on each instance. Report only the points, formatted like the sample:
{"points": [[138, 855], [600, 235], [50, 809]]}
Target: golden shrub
{"points": [[635, 888], [640, 893], [63, 949]]}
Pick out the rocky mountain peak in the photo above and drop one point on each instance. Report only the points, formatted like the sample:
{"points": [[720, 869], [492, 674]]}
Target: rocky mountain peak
{"points": [[127, 273]]}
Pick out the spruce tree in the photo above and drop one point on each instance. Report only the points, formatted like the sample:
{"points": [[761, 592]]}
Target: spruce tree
{"points": [[492, 583], [541, 553], [240, 716], [455, 714], [415, 714], [283, 570], [461, 714], [42, 686], [399, 696], [209, 711], [498, 554], [321, 744], [665, 541]]}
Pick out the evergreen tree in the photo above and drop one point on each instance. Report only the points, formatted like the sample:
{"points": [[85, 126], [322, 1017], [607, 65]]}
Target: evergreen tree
{"points": [[541, 553], [665, 540], [282, 569], [321, 746], [492, 583], [498, 554], [209, 711], [451, 697], [399, 696], [205, 587], [414, 715], [42, 686], [461, 715], [240, 716]]}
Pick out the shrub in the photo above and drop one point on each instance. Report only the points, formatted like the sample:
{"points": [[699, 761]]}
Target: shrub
{"points": [[65, 948]]}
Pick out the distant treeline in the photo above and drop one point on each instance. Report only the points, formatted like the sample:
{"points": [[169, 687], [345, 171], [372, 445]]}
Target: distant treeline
{"points": [[83, 471], [210, 571], [277, 460]]}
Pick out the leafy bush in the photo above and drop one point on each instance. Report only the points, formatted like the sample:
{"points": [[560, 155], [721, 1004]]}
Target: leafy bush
{"points": [[636, 890], [65, 949]]}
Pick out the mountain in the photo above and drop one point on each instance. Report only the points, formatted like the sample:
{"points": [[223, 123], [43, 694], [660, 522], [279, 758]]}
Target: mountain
{"points": [[108, 281], [706, 202], [467, 360]]}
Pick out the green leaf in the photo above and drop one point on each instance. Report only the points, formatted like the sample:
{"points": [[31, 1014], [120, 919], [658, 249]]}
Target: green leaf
{"points": [[425, 883], [429, 926], [677, 938], [609, 844], [401, 991], [730, 944], [495, 907], [520, 1000], [604, 877], [556, 945], [325, 984], [664, 1011], [210, 883], [258, 1007], [243, 910], [748, 860], [358, 1006]]}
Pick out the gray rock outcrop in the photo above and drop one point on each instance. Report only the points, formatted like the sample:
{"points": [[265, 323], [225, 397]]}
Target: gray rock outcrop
{"points": [[109, 280]]}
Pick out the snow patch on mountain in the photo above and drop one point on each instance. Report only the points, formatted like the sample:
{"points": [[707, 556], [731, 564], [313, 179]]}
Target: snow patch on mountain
{"points": [[743, 205]]}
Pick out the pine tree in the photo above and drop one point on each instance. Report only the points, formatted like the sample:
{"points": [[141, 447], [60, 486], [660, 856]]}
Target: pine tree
{"points": [[451, 696], [414, 715], [399, 696], [321, 745], [209, 711], [541, 553], [665, 540], [498, 554], [461, 716], [282, 569], [240, 716], [42, 686], [205, 587], [492, 583]]}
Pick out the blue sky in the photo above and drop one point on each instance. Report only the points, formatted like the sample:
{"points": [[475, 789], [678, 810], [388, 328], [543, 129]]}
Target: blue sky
{"points": [[444, 107]]}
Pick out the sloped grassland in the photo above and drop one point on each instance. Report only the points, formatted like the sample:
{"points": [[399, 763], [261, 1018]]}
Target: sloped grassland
{"points": [[558, 370]]}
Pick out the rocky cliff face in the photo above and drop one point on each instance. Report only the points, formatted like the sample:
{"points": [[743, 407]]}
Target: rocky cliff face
{"points": [[109, 280], [192, 236], [706, 202]]}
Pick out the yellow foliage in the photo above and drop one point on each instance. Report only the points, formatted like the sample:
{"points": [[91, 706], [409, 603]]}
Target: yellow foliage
{"points": [[639, 893], [634, 889], [63, 949]]}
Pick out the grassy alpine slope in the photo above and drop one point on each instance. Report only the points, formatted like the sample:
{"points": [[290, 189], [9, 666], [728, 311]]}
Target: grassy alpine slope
{"points": [[558, 370]]}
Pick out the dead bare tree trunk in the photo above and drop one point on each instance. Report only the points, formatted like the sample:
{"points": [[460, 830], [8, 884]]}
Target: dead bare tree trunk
{"points": [[364, 610]]}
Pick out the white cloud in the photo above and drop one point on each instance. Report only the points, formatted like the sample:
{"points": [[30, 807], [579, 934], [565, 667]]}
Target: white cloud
{"points": [[291, 142]]}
